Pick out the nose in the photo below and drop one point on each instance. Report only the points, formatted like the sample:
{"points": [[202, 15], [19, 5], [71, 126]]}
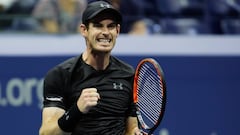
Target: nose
{"points": [[105, 30]]}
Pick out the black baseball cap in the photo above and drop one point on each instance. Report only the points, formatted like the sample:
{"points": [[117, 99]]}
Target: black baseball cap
{"points": [[97, 8]]}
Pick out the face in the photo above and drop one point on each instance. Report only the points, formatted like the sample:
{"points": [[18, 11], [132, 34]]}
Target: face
{"points": [[101, 36]]}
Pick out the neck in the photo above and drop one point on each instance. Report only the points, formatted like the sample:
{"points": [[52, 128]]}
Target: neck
{"points": [[98, 61]]}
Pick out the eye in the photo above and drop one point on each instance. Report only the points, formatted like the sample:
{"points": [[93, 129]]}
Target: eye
{"points": [[112, 25], [97, 25]]}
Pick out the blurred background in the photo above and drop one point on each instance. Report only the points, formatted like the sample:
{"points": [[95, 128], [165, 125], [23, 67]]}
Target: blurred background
{"points": [[140, 16], [197, 43]]}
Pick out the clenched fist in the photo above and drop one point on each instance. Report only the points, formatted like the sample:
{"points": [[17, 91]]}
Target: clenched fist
{"points": [[88, 98]]}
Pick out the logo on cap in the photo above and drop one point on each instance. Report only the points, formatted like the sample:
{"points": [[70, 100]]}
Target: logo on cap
{"points": [[104, 5]]}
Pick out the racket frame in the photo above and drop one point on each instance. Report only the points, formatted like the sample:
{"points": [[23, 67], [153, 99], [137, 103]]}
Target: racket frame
{"points": [[135, 94]]}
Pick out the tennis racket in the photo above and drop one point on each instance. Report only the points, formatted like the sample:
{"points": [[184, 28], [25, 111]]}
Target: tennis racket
{"points": [[149, 94]]}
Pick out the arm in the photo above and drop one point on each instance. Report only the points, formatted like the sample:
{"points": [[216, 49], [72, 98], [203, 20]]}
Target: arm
{"points": [[132, 126], [50, 116]]}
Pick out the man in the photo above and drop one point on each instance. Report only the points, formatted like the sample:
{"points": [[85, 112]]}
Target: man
{"points": [[91, 94]]}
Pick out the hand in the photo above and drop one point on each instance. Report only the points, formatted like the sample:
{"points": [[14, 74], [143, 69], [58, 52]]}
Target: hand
{"points": [[137, 131], [88, 98], [144, 133]]}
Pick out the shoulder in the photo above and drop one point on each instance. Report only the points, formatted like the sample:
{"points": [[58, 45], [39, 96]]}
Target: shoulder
{"points": [[63, 68], [68, 64], [122, 65]]}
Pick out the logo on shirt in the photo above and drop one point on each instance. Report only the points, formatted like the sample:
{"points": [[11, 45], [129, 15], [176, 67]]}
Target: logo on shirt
{"points": [[118, 86]]}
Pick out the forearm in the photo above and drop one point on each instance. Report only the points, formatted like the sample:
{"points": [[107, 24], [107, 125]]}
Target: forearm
{"points": [[50, 121], [132, 126], [51, 129]]}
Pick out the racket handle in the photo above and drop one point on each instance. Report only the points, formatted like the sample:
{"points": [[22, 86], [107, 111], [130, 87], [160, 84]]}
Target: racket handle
{"points": [[144, 133]]}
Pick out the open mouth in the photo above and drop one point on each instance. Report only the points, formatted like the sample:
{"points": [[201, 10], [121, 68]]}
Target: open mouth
{"points": [[103, 40]]}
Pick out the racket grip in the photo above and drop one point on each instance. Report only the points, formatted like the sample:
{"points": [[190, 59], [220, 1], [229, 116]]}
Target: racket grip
{"points": [[144, 133]]}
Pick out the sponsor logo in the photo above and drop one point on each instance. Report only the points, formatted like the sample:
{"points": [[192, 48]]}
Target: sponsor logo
{"points": [[105, 5], [118, 86]]}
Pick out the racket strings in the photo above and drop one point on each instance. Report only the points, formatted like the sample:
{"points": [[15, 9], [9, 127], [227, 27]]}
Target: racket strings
{"points": [[149, 86], [155, 102]]}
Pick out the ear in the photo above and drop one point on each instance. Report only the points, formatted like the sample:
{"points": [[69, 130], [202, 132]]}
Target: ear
{"points": [[83, 29], [118, 29]]}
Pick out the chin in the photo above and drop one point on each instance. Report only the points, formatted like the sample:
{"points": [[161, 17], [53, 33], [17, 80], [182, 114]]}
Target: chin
{"points": [[102, 51]]}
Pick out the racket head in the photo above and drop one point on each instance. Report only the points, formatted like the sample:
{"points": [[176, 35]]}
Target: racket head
{"points": [[149, 94]]}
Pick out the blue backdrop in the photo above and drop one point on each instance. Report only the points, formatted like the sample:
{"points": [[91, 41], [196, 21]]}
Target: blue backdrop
{"points": [[203, 93]]}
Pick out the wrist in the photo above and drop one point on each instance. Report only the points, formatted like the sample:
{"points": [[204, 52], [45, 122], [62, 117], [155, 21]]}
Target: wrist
{"points": [[70, 118]]}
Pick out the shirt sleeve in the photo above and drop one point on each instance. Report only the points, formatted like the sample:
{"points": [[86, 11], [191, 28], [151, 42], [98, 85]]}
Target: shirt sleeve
{"points": [[132, 110], [53, 89], [132, 107]]}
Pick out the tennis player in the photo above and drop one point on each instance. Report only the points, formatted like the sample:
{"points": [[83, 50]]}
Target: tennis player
{"points": [[91, 94]]}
